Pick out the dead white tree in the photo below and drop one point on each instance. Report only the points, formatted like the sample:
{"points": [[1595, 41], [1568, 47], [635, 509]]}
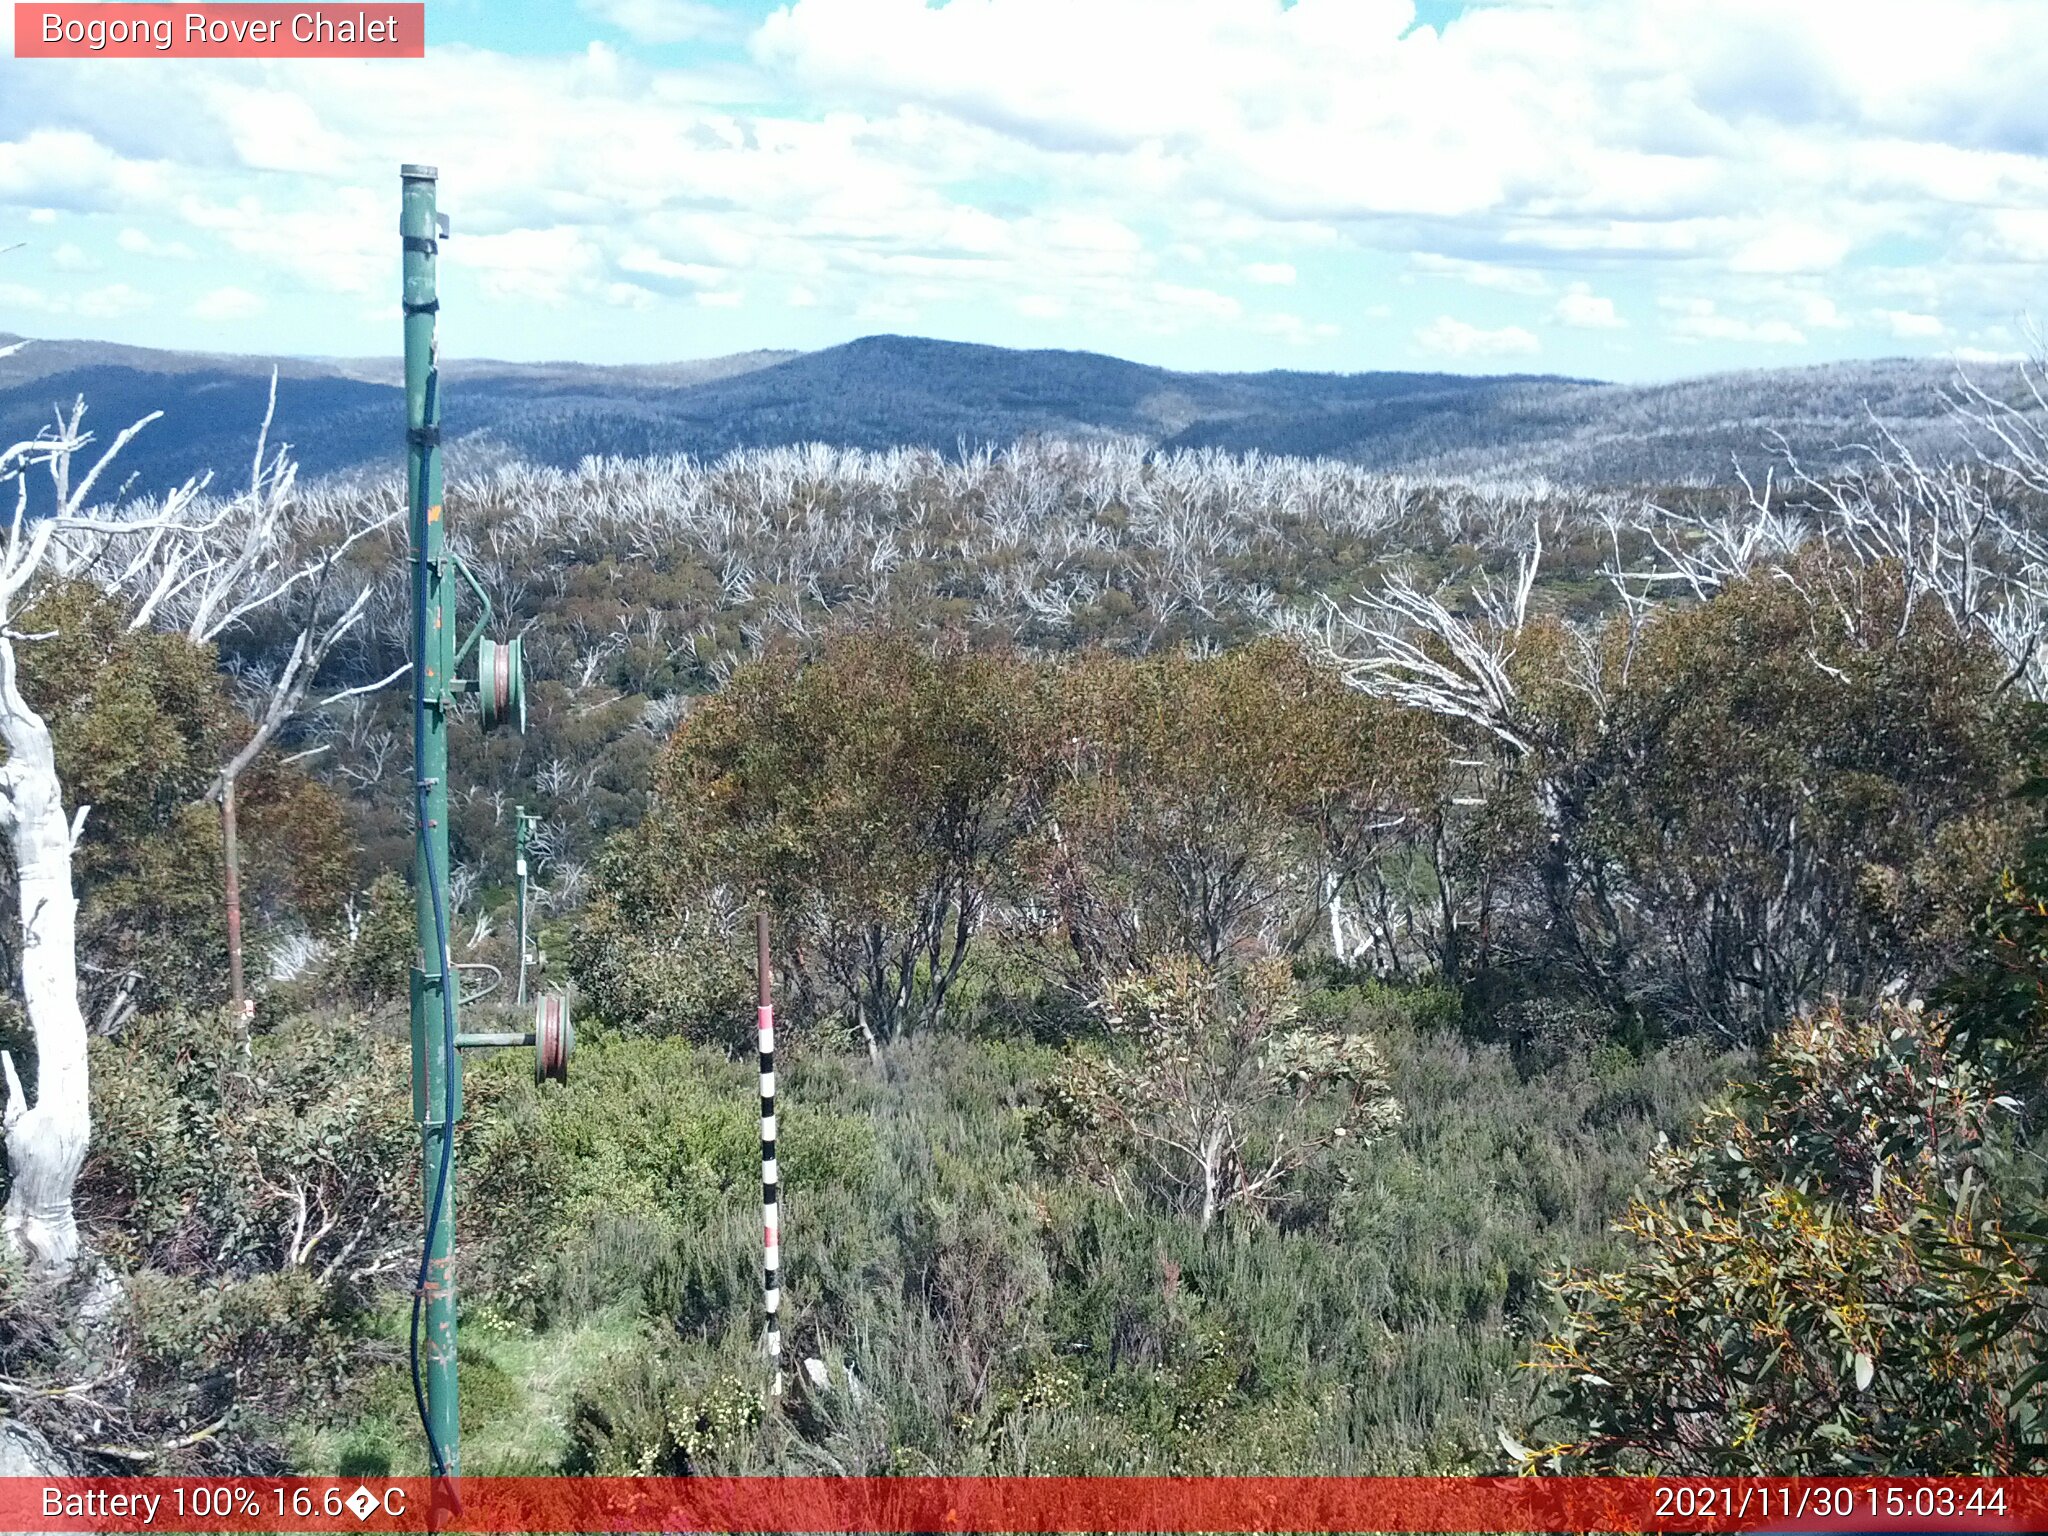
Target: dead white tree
{"points": [[1410, 646], [1953, 542], [1955, 531], [47, 1139], [275, 557]]}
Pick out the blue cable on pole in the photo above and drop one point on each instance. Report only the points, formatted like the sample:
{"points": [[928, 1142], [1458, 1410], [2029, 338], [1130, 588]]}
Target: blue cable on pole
{"points": [[437, 1458]]}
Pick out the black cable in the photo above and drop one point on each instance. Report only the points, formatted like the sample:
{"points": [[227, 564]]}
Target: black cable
{"points": [[437, 1458]]}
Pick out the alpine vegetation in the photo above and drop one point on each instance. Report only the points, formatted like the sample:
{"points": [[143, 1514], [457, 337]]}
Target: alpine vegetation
{"points": [[1277, 967]]}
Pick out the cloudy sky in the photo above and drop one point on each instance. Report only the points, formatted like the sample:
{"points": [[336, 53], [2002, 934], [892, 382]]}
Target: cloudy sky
{"points": [[1627, 189]]}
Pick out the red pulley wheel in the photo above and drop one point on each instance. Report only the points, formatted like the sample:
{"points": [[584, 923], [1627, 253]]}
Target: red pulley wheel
{"points": [[500, 687], [553, 1038]]}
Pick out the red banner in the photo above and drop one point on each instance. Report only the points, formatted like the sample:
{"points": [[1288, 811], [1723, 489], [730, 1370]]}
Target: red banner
{"points": [[240, 31], [999, 1504]]}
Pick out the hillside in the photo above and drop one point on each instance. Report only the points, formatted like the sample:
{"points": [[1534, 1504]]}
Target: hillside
{"points": [[886, 391], [1206, 882]]}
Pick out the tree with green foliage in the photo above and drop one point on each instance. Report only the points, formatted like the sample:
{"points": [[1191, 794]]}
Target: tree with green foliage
{"points": [[374, 966], [1996, 1007], [653, 956], [1711, 812], [137, 719], [253, 1192], [237, 1154], [880, 799], [1219, 807], [1788, 791], [1829, 1279]]}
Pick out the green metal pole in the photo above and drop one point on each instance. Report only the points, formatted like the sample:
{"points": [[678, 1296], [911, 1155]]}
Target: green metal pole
{"points": [[437, 1069]]}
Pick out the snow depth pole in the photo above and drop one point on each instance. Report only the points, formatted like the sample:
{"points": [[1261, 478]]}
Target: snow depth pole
{"points": [[436, 1064], [771, 1178]]}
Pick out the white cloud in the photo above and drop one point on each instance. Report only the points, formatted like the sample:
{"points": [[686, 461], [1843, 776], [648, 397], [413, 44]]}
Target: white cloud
{"points": [[109, 302], [1598, 110], [1179, 301], [648, 262], [136, 243], [1482, 274], [2020, 234], [1585, 310], [1819, 311], [1450, 337], [1295, 330], [1742, 137], [275, 129], [661, 21], [63, 168], [1793, 248], [71, 258], [892, 156], [536, 266], [1910, 326], [1699, 319], [42, 215], [228, 304], [340, 245]]}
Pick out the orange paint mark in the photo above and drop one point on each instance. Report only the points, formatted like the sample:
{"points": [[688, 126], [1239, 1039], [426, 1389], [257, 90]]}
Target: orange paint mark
{"points": [[434, 514]]}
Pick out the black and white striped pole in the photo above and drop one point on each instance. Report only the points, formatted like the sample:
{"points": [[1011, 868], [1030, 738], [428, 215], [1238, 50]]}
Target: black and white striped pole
{"points": [[771, 1180]]}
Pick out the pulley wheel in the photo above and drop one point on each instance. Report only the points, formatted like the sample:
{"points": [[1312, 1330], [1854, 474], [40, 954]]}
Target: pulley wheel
{"points": [[501, 683], [554, 1038]]}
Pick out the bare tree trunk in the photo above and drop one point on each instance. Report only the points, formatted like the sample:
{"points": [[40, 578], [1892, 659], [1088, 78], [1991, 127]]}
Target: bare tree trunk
{"points": [[46, 1142], [1212, 1160], [867, 1033], [1334, 897], [233, 858]]}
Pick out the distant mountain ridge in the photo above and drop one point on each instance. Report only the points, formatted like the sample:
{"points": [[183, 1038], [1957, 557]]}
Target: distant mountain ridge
{"points": [[342, 415]]}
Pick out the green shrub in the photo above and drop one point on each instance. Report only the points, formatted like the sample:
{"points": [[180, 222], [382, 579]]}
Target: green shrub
{"points": [[645, 969], [1213, 1092], [998, 1315], [216, 1151], [653, 1146], [374, 967], [667, 1413], [1815, 1286]]}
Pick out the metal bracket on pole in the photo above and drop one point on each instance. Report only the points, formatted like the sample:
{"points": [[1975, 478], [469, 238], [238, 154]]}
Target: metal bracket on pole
{"points": [[483, 619]]}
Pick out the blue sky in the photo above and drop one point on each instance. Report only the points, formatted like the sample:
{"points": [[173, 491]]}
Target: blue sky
{"points": [[1630, 189]]}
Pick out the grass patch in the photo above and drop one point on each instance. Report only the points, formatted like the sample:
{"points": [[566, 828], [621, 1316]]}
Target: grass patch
{"points": [[516, 1390]]}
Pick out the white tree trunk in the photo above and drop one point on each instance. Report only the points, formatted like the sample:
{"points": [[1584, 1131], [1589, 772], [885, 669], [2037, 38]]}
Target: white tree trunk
{"points": [[1334, 896], [46, 1142], [1212, 1175]]}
